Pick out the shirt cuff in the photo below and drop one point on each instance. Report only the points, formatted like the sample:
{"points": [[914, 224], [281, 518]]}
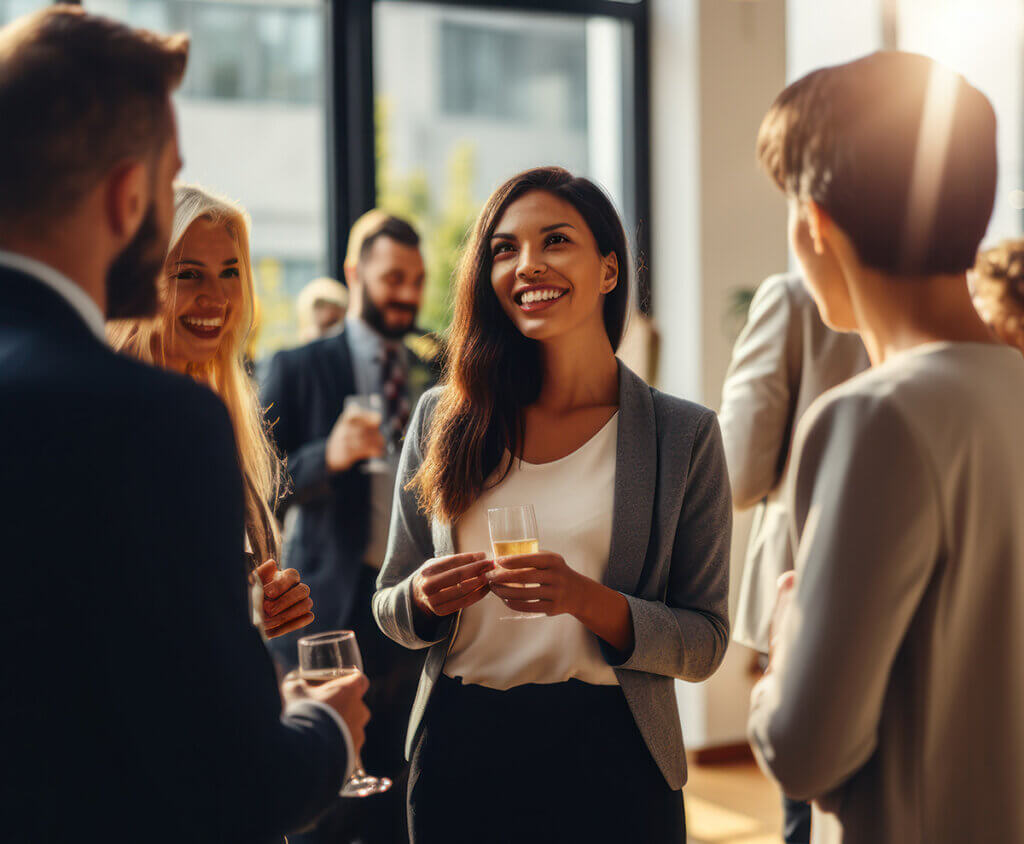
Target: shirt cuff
{"points": [[351, 759]]}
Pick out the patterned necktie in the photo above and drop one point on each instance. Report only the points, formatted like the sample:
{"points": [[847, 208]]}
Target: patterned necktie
{"points": [[396, 400]]}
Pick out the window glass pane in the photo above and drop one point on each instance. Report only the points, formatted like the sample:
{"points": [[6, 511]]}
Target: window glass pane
{"points": [[251, 125], [11, 9], [982, 39], [466, 98]]}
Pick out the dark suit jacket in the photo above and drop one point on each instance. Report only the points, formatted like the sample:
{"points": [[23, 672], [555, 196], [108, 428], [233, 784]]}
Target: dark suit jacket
{"points": [[304, 392], [139, 703]]}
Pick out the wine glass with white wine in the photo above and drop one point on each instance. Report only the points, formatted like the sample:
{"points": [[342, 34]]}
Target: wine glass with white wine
{"points": [[514, 531], [327, 656]]}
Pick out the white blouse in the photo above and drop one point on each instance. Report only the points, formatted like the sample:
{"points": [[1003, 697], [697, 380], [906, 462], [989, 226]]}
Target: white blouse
{"points": [[573, 498]]}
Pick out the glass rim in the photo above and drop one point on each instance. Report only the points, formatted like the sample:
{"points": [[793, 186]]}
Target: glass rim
{"points": [[506, 509], [329, 636]]}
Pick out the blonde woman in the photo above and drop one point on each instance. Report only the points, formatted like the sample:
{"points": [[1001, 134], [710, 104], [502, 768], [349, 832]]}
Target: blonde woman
{"points": [[206, 316]]}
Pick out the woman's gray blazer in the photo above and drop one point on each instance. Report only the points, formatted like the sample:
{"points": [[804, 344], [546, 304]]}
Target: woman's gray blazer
{"points": [[669, 556]]}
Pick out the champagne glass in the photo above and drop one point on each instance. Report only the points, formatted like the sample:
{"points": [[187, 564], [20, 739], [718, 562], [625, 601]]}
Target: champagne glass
{"points": [[514, 531], [327, 656], [370, 406]]}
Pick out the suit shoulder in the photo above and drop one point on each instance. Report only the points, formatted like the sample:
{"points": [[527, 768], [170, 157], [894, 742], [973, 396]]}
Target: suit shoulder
{"points": [[783, 287], [168, 402], [677, 411]]}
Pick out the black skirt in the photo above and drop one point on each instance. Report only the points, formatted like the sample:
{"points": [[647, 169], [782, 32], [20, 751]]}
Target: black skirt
{"points": [[537, 763]]}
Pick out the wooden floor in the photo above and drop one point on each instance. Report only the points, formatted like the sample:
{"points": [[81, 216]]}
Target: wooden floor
{"points": [[731, 804]]}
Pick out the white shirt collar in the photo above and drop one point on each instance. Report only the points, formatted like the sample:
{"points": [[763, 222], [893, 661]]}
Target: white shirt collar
{"points": [[75, 296]]}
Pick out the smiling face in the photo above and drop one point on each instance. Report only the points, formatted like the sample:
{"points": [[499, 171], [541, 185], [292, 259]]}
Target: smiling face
{"points": [[203, 298], [547, 271], [392, 276]]}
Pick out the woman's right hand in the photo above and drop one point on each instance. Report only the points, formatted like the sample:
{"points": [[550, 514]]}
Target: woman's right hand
{"points": [[446, 585]]}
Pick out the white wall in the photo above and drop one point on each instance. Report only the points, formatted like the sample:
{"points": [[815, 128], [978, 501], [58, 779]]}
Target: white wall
{"points": [[718, 225]]}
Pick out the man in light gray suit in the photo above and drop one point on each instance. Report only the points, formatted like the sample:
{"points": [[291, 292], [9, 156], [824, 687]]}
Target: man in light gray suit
{"points": [[784, 359]]}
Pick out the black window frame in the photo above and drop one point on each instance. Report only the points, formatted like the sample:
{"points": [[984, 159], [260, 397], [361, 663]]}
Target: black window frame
{"points": [[351, 156], [350, 120]]}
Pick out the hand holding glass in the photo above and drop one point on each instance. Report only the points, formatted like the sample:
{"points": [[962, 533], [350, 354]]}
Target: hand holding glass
{"points": [[513, 532], [324, 657], [371, 407]]}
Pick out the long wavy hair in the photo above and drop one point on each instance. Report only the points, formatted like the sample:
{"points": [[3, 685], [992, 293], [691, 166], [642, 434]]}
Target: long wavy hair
{"points": [[492, 371], [225, 373]]}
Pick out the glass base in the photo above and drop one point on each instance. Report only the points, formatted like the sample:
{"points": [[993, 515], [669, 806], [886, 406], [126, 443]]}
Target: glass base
{"points": [[362, 784]]}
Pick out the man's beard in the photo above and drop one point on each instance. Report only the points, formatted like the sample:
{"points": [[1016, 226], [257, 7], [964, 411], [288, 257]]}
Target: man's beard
{"points": [[131, 280], [374, 317]]}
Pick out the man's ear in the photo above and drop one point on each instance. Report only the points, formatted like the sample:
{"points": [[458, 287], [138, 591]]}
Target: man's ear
{"points": [[611, 273], [128, 198], [819, 225]]}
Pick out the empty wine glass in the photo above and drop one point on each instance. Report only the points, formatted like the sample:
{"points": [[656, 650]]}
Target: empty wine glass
{"points": [[514, 531], [327, 656]]}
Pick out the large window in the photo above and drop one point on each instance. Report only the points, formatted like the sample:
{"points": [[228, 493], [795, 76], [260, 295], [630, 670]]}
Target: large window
{"points": [[465, 98], [252, 127], [309, 112]]}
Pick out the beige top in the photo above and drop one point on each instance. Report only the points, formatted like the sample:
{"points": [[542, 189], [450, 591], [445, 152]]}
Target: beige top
{"points": [[783, 360], [573, 500], [897, 692]]}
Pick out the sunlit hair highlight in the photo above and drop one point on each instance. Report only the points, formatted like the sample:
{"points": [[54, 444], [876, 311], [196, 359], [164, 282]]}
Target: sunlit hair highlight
{"points": [[898, 150], [225, 373]]}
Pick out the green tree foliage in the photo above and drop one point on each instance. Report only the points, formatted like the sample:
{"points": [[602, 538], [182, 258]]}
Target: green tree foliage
{"points": [[443, 215]]}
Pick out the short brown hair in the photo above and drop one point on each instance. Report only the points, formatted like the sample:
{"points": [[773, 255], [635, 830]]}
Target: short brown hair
{"points": [[374, 224], [78, 93], [848, 138]]}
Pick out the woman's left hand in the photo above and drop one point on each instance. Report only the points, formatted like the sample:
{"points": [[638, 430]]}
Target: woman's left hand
{"points": [[286, 601], [553, 587]]}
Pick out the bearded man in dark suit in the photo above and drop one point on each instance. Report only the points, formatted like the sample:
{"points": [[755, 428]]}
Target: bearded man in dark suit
{"points": [[343, 462], [139, 703]]}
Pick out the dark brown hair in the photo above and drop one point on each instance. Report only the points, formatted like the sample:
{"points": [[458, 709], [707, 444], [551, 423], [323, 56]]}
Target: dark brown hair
{"points": [[492, 372], [848, 138], [394, 228], [79, 93]]}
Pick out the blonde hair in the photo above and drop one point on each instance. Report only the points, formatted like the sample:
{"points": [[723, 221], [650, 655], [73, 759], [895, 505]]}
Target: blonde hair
{"points": [[225, 374], [318, 290], [997, 283]]}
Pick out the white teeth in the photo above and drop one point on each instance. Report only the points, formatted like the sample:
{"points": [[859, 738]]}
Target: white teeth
{"points": [[540, 296], [195, 322]]}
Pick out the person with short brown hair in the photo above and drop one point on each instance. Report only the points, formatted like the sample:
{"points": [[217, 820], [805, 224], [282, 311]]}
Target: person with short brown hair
{"points": [[893, 695], [140, 702], [319, 399]]}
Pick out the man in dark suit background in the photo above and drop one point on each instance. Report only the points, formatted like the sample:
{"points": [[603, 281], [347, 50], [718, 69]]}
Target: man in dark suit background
{"points": [[139, 703], [337, 534]]}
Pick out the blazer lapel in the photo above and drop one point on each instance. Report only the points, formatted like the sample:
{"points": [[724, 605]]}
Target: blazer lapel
{"points": [[636, 469]]}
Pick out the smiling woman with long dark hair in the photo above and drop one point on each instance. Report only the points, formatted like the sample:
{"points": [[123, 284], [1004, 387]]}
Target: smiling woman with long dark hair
{"points": [[562, 727]]}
